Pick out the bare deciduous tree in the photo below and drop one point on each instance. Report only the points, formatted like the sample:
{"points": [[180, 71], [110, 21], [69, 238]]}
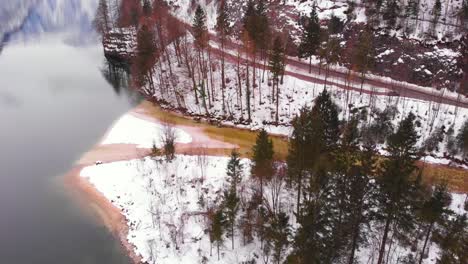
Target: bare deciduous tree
{"points": [[168, 138]]}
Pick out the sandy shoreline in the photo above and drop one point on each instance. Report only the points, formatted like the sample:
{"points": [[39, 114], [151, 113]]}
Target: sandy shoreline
{"points": [[91, 199]]}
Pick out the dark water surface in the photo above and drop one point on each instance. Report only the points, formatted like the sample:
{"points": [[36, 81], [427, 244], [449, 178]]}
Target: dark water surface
{"points": [[54, 105]]}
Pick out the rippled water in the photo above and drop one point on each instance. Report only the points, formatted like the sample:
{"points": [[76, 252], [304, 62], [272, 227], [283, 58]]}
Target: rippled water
{"points": [[55, 103]]}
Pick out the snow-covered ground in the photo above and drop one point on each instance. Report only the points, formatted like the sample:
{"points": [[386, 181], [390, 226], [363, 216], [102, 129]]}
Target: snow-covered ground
{"points": [[161, 201], [296, 93], [165, 204], [133, 130]]}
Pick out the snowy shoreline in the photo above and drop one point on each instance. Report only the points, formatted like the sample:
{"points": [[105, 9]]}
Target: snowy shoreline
{"points": [[121, 188]]}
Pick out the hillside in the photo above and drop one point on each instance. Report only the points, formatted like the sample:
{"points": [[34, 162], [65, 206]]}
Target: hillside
{"points": [[347, 188], [415, 48]]}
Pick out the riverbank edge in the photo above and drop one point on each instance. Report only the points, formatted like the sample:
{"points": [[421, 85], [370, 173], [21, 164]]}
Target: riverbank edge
{"points": [[90, 198], [108, 214]]}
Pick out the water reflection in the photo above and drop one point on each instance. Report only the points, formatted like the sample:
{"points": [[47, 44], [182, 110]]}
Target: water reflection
{"points": [[54, 105]]}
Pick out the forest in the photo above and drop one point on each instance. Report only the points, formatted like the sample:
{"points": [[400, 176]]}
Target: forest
{"points": [[355, 138]]}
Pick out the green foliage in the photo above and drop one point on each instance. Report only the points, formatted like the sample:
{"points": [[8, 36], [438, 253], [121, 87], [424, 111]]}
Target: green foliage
{"points": [[231, 200], [464, 10], [332, 51], [222, 21], [412, 9], [217, 228], [276, 61], [200, 31], [101, 22], [262, 155], [335, 25], [436, 10], [255, 24], [310, 38], [234, 170], [398, 196], [462, 139], [327, 112], [277, 232], [431, 144], [145, 56], [363, 58], [378, 131], [391, 12], [263, 148], [146, 8], [453, 241], [434, 209]]}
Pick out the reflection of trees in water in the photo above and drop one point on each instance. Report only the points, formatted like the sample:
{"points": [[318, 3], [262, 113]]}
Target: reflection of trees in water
{"points": [[118, 76]]}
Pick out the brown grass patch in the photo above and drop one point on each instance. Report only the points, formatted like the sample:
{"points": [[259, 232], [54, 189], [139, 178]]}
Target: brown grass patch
{"points": [[244, 138], [456, 178]]}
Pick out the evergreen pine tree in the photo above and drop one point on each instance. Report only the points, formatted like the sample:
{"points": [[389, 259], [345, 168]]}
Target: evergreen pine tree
{"points": [[299, 150], [313, 242], [363, 58], [145, 56], [261, 19], [262, 166], [146, 8], [278, 231], [234, 170], [101, 21], [223, 29], [397, 187], [231, 208], [314, 137], [361, 196], [412, 9], [332, 55], [200, 31], [310, 38], [335, 25], [453, 241], [231, 199], [436, 11], [462, 139], [434, 210], [276, 63], [217, 229], [391, 13], [463, 14], [327, 111], [249, 21]]}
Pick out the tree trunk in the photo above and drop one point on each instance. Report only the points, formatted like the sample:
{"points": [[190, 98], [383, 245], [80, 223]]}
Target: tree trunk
{"points": [[232, 233], [384, 240], [223, 77], [310, 64], [299, 186], [211, 77], [428, 234], [354, 244], [362, 82], [239, 80], [247, 94], [277, 102]]}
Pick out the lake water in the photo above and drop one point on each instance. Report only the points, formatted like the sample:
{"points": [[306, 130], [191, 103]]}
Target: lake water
{"points": [[54, 105]]}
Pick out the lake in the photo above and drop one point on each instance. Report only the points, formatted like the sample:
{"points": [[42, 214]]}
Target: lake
{"points": [[55, 103]]}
